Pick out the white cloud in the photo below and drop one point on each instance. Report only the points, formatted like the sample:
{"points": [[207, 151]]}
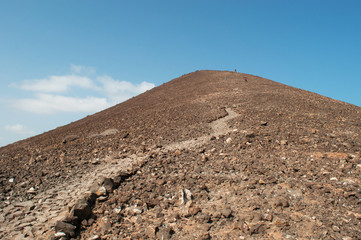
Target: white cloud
{"points": [[18, 129], [49, 104], [53, 94], [118, 91], [58, 84]]}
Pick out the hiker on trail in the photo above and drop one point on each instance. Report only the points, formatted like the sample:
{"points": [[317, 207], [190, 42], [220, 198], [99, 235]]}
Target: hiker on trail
{"points": [[245, 79], [235, 70]]}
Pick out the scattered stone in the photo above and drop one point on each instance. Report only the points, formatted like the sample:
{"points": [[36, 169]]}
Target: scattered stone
{"points": [[226, 212], [109, 132], [250, 179], [261, 182], [151, 231], [267, 217], [95, 237], [81, 209], [335, 228], [117, 210], [102, 191], [228, 140], [95, 161], [296, 193], [28, 219], [108, 184], [70, 138], [164, 233], [250, 135], [31, 190], [104, 225], [257, 228], [59, 235], [11, 180], [282, 202], [66, 228], [185, 196], [28, 205], [134, 210], [102, 198], [192, 210]]}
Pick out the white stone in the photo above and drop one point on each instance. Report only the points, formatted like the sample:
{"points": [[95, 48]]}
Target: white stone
{"points": [[59, 234], [117, 210]]}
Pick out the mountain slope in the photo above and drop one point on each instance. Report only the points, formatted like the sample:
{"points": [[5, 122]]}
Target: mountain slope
{"points": [[259, 158]]}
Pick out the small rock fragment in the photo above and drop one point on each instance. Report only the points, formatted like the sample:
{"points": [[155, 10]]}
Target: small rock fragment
{"points": [[82, 210], [102, 191], [104, 225], [95, 237], [59, 235], [164, 233], [257, 228], [186, 196], [66, 228], [228, 140], [108, 184], [31, 190], [226, 212]]}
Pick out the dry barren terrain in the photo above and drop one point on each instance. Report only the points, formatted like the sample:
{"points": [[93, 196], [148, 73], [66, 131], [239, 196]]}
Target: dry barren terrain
{"points": [[209, 155]]}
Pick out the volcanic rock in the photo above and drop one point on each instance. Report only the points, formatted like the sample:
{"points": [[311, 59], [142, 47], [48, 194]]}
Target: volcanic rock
{"points": [[206, 155]]}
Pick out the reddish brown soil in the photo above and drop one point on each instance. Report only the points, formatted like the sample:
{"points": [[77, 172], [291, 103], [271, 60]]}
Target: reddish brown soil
{"points": [[287, 166]]}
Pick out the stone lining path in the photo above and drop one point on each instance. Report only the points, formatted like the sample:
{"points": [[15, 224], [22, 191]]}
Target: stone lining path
{"points": [[35, 219]]}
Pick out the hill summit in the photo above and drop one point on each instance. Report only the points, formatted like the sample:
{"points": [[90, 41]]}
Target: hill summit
{"points": [[209, 155]]}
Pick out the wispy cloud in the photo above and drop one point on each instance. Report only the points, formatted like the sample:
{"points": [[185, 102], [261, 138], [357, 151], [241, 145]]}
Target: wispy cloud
{"points": [[49, 104], [118, 91], [58, 84], [18, 129], [54, 94]]}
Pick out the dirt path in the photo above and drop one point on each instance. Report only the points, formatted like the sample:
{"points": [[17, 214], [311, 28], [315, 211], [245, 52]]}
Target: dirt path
{"points": [[35, 218], [218, 126]]}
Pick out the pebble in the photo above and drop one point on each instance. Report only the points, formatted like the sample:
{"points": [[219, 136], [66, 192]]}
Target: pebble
{"points": [[31, 190], [226, 212], [117, 210], [102, 191], [59, 235], [95, 237]]}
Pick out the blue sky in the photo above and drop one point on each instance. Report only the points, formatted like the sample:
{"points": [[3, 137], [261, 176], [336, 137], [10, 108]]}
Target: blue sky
{"points": [[63, 60]]}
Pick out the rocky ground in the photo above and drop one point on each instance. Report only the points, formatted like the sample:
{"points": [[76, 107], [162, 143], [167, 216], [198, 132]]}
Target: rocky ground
{"points": [[205, 156]]}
